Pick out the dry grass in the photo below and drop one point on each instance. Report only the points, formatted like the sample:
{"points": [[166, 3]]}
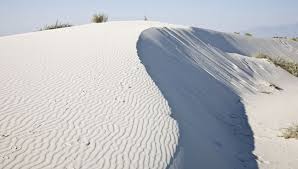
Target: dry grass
{"points": [[262, 56], [291, 132], [289, 66], [57, 25]]}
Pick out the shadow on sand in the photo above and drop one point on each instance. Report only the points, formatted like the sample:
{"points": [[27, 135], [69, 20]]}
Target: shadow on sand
{"points": [[213, 126]]}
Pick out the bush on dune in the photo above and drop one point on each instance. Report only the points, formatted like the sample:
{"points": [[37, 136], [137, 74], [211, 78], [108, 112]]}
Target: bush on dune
{"points": [[289, 66], [99, 18], [248, 34], [291, 132]]}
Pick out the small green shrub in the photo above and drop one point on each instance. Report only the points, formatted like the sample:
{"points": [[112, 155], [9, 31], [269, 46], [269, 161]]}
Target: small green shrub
{"points": [[291, 132], [57, 25], [295, 39], [99, 18], [248, 34], [289, 66]]}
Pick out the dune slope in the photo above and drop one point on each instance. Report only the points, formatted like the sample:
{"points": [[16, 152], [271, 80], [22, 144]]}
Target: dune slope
{"points": [[221, 96]]}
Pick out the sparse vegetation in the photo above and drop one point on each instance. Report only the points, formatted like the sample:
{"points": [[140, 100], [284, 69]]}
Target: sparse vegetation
{"points": [[57, 25], [291, 132], [238, 33], [289, 66], [262, 56], [295, 39], [279, 37], [248, 34], [100, 18]]}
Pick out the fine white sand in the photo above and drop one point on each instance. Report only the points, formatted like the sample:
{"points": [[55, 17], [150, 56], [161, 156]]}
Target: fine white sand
{"points": [[144, 95]]}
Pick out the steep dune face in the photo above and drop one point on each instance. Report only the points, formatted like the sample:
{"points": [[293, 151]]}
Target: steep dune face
{"points": [[80, 98], [211, 81], [214, 131]]}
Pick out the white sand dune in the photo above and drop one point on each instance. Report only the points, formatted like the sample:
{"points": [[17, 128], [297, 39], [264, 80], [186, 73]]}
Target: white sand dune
{"points": [[144, 95]]}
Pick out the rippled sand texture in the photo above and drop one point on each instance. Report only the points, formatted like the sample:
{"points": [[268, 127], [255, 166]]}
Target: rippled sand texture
{"points": [[80, 98]]}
